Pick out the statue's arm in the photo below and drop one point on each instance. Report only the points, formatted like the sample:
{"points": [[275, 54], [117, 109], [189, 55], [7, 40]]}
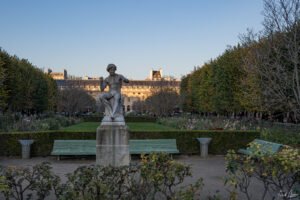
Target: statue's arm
{"points": [[124, 79]]}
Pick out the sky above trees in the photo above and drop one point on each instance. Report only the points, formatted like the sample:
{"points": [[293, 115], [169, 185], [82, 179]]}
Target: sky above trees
{"points": [[84, 36]]}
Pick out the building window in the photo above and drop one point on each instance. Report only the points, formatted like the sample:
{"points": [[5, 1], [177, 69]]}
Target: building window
{"points": [[128, 99], [128, 108]]}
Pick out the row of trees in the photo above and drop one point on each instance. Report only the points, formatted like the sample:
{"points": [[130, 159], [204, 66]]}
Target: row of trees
{"points": [[27, 89], [23, 87], [261, 75], [73, 101]]}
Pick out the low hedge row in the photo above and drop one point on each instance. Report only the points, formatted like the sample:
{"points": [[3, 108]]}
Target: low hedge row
{"points": [[127, 119], [186, 142]]}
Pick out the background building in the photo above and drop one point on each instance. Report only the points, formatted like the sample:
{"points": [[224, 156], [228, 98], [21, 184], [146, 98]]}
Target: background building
{"points": [[133, 91]]}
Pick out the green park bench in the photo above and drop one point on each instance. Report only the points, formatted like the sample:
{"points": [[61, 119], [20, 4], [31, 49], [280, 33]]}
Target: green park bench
{"points": [[147, 146], [88, 147], [265, 148], [73, 148]]}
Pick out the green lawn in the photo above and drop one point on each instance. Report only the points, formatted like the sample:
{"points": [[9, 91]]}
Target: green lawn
{"points": [[133, 126]]}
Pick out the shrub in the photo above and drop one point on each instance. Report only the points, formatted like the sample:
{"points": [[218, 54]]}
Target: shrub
{"points": [[163, 174], [3, 186], [279, 172], [186, 140], [280, 135], [24, 182], [190, 122], [6, 121], [154, 178], [275, 132], [34, 123]]}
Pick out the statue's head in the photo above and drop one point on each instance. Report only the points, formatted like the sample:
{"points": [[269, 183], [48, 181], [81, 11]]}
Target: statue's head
{"points": [[111, 66]]}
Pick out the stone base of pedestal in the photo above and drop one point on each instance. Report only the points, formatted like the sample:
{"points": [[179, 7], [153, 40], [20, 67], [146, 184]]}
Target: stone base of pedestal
{"points": [[112, 144]]}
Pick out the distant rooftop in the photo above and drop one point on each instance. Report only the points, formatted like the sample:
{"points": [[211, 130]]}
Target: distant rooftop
{"points": [[154, 75]]}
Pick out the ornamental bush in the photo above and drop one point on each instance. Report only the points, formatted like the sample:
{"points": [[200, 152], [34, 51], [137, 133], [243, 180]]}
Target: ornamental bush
{"points": [[156, 177], [279, 173], [14, 122], [25, 183], [275, 132], [3, 186]]}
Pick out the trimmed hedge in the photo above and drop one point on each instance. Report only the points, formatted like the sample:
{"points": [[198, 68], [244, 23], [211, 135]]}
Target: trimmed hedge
{"points": [[186, 142], [221, 141]]}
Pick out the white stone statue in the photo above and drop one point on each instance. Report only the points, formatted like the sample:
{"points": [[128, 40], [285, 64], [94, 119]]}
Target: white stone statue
{"points": [[112, 99]]}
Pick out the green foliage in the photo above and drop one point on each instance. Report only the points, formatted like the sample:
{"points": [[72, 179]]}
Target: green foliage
{"points": [[10, 122], [261, 76], [186, 140], [163, 174], [210, 123], [84, 127], [24, 88], [25, 183], [215, 87], [282, 135], [3, 186], [3, 91], [202, 89], [185, 93], [276, 132], [277, 172], [155, 177]]}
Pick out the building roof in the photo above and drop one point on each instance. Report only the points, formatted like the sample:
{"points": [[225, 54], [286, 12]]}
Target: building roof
{"points": [[131, 83]]}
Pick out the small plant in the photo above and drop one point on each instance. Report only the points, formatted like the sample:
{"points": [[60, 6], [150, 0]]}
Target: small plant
{"points": [[3, 186], [156, 177], [163, 174], [279, 173], [9, 122], [275, 132], [23, 183]]}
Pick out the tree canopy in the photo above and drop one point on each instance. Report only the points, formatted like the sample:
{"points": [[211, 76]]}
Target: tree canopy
{"points": [[24, 87], [260, 75]]}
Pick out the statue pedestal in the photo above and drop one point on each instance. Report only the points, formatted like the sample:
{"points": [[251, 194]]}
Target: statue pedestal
{"points": [[112, 144]]}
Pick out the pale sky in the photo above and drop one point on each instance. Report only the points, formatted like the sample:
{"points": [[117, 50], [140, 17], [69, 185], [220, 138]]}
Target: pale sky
{"points": [[136, 35]]}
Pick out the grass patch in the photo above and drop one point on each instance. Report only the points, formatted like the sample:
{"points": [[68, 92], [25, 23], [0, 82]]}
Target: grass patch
{"points": [[133, 126]]}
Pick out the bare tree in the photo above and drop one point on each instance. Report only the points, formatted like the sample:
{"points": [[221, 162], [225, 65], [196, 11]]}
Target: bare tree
{"points": [[139, 106], [274, 56], [75, 100], [164, 99]]}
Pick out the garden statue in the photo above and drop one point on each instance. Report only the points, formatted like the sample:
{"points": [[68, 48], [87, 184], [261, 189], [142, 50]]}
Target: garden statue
{"points": [[112, 136], [112, 99]]}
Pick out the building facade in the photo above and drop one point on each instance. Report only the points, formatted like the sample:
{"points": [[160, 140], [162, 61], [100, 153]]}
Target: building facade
{"points": [[133, 91]]}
